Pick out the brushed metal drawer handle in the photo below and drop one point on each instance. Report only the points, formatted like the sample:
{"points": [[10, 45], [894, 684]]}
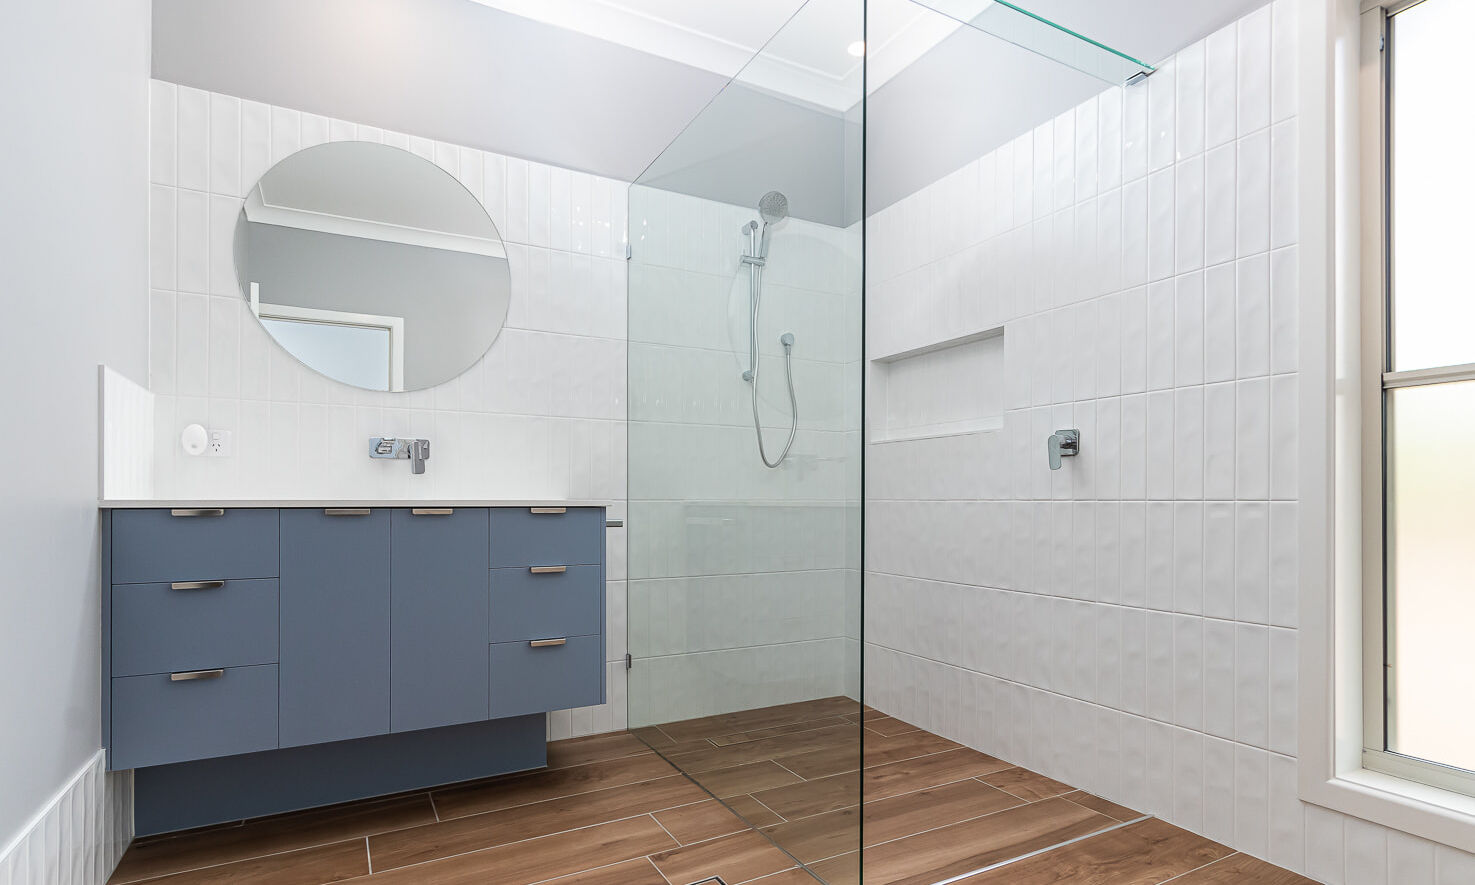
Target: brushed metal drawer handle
{"points": [[196, 585], [545, 643], [548, 510], [194, 675], [197, 511], [614, 523], [432, 511], [548, 569], [345, 511]]}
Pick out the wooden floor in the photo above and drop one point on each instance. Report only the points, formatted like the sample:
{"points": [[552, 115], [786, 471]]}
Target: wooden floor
{"points": [[609, 811]]}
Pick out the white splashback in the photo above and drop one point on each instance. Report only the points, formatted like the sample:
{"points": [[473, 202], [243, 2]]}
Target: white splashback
{"points": [[127, 445], [541, 415]]}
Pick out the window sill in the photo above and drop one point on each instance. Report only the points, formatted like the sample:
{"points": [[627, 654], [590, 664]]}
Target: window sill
{"points": [[1428, 812]]}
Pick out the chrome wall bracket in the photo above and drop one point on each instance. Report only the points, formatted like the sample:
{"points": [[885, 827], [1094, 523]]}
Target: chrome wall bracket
{"points": [[1062, 444]]}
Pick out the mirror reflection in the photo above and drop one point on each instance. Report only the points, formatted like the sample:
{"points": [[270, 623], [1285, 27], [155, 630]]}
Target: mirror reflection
{"points": [[373, 266]]}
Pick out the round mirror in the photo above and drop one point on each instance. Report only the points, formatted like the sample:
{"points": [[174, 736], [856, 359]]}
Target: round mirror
{"points": [[373, 266]]}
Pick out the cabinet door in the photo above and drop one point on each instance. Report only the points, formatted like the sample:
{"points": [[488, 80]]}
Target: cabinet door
{"points": [[440, 581], [334, 625]]}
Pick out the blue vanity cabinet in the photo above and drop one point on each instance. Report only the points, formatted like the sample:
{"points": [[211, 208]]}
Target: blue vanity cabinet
{"points": [[335, 614], [259, 660], [438, 656]]}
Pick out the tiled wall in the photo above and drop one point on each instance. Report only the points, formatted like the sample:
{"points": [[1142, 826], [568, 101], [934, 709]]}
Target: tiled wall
{"points": [[542, 415], [743, 580], [80, 836], [1127, 623]]}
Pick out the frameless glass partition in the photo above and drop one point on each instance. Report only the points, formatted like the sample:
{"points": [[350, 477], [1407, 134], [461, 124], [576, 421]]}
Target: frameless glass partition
{"points": [[744, 444], [764, 364]]}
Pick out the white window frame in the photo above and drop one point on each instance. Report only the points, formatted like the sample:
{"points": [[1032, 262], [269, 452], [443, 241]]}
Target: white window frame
{"points": [[1342, 277], [395, 326]]}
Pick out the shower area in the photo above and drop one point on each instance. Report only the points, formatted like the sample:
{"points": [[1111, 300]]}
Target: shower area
{"points": [[830, 273]]}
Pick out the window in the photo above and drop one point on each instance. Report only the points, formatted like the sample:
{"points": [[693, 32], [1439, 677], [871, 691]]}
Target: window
{"points": [[1420, 571]]}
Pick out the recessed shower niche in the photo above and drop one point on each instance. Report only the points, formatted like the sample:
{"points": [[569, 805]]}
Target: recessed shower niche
{"points": [[942, 389]]}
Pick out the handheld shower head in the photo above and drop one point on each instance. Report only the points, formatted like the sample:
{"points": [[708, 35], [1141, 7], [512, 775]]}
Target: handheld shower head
{"points": [[772, 208]]}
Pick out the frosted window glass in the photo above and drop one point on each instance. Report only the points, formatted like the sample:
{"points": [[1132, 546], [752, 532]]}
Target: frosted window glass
{"points": [[1433, 185], [357, 355], [1431, 571]]}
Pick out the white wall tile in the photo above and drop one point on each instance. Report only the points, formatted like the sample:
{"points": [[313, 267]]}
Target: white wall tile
{"points": [[1254, 71]]}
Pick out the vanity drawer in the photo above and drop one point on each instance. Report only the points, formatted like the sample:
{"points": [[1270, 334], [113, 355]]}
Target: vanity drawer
{"points": [[524, 536], [161, 719], [536, 679], [535, 603], [192, 545], [159, 628]]}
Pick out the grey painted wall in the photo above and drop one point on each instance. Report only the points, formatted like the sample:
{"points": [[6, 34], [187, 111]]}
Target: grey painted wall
{"points": [[74, 272], [446, 69], [453, 303]]}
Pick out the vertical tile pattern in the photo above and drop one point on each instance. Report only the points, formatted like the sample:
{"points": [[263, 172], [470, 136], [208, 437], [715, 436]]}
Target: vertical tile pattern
{"points": [[79, 838], [548, 397], [1191, 591]]}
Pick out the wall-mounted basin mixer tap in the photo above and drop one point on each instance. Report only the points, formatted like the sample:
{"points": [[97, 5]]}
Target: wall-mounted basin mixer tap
{"points": [[1062, 444], [416, 451]]}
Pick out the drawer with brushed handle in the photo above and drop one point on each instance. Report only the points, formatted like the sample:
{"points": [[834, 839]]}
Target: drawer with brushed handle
{"points": [[185, 625], [539, 601], [193, 544], [547, 536], [549, 673], [193, 714]]}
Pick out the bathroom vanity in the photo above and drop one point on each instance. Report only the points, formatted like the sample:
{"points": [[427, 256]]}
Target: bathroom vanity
{"points": [[264, 657]]}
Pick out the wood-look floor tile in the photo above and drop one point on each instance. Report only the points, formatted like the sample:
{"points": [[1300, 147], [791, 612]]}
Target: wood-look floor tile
{"points": [[542, 785], [307, 866], [535, 860], [765, 748], [652, 736], [1151, 851], [842, 870], [796, 876], [738, 858], [912, 813], [754, 812], [632, 872], [823, 763], [287, 832], [750, 720], [472, 832], [597, 748], [743, 737], [700, 821], [888, 726], [1241, 869], [909, 775], [1102, 806], [813, 797], [880, 750], [954, 850], [750, 778], [821, 836], [1026, 784]]}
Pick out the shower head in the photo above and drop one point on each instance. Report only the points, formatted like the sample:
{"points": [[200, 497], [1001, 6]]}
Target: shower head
{"points": [[774, 207]]}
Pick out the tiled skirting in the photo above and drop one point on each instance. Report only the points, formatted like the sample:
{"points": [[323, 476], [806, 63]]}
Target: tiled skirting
{"points": [[78, 838]]}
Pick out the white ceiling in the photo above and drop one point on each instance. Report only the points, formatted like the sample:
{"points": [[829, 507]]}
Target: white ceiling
{"points": [[808, 58]]}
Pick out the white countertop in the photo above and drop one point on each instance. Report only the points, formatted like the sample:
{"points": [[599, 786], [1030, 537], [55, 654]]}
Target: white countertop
{"points": [[128, 504]]}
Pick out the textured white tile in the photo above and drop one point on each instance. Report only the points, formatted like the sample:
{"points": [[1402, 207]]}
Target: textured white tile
{"points": [[161, 132], [1252, 195], [1220, 218], [1160, 440], [225, 145], [1285, 564], [1284, 439], [1367, 853], [1252, 317], [1283, 698], [1189, 330], [1251, 543], [1220, 319], [163, 212], [1219, 434], [1221, 66], [1285, 326], [1218, 678], [255, 142], [1452, 866], [1188, 673], [1252, 439], [1218, 786], [1188, 780], [1287, 817], [1410, 859], [286, 133], [1161, 102], [1161, 224], [1134, 130], [1188, 443], [1284, 58], [1251, 800], [1254, 71], [1109, 139], [1189, 214], [1324, 839], [192, 152], [1219, 571], [1135, 233], [1189, 68]]}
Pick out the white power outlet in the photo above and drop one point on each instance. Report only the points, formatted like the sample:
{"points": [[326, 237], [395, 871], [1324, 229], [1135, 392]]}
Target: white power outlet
{"points": [[220, 445]]}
